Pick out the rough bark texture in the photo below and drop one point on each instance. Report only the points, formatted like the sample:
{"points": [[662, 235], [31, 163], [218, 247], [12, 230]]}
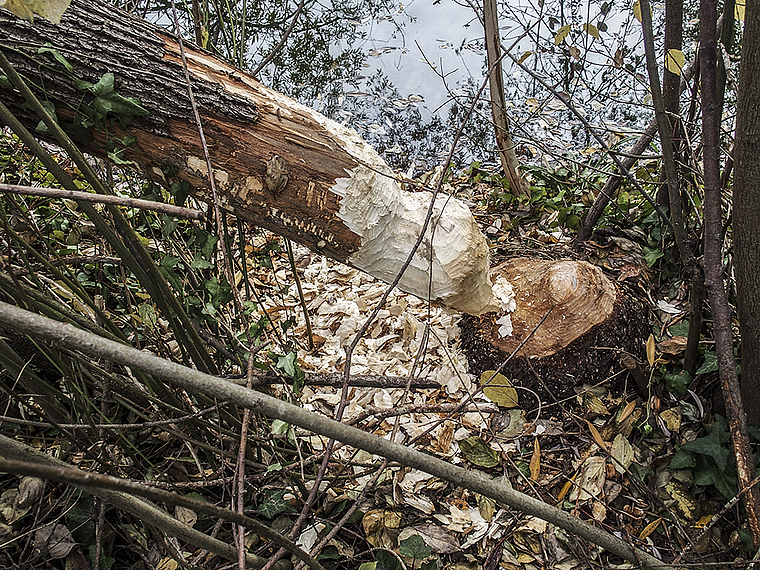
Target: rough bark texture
{"points": [[713, 261], [276, 163], [746, 212]]}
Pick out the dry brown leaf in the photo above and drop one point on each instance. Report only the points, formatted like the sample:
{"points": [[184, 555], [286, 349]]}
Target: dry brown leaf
{"points": [[565, 488], [672, 418], [650, 528], [622, 453], [650, 350], [673, 346], [596, 435], [535, 461], [590, 479], [381, 528], [629, 407], [598, 511]]}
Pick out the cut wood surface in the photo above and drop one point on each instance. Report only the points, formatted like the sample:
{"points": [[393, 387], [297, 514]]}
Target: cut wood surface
{"points": [[570, 325], [276, 163]]}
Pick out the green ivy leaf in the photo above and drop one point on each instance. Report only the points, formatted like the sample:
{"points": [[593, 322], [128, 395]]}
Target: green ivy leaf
{"points": [[677, 383], [386, 561], [414, 547], [711, 474], [682, 460], [710, 364], [479, 452], [272, 503], [712, 445], [288, 363]]}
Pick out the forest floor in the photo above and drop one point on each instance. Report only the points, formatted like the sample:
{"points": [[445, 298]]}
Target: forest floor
{"points": [[644, 453]]}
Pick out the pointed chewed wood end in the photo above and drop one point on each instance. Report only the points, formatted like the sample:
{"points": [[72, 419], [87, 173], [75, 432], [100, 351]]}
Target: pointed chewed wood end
{"points": [[566, 323]]}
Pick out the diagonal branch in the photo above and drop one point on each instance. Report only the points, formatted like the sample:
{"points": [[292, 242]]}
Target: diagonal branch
{"points": [[70, 337]]}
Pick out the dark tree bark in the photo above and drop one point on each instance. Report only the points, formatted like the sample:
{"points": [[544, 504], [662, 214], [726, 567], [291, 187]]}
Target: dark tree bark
{"points": [[714, 274], [671, 91], [746, 212]]}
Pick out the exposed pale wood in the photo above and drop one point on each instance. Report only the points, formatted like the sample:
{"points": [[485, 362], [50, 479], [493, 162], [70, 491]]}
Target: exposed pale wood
{"points": [[276, 163], [570, 326], [575, 294]]}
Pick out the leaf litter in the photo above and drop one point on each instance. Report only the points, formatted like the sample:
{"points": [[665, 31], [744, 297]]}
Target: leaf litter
{"points": [[605, 471]]}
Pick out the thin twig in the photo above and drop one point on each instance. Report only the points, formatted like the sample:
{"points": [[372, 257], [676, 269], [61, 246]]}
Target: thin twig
{"points": [[168, 209], [73, 338], [88, 479]]}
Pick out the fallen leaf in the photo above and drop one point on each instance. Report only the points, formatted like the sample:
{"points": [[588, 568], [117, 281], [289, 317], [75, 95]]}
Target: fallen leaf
{"points": [[596, 435], [498, 389], [479, 452], [622, 453], [185, 515], [381, 528], [629, 407], [650, 528], [590, 479], [437, 538], [674, 346], [54, 540], [672, 418], [535, 461], [650, 350]]}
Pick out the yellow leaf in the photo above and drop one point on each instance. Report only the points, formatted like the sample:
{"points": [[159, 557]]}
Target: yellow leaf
{"points": [[637, 10], [596, 435], [524, 56], [674, 61], [630, 406], [561, 34], [650, 350], [535, 461], [650, 528], [565, 488], [591, 30], [739, 10], [49, 9], [498, 389]]}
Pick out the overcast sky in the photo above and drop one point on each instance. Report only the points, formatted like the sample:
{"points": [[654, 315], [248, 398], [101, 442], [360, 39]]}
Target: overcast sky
{"points": [[438, 30]]}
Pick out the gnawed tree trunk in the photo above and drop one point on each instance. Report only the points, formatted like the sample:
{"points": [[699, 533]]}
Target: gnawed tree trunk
{"points": [[276, 163], [570, 326], [287, 168]]}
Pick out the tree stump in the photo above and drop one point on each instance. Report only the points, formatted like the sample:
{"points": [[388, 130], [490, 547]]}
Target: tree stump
{"points": [[570, 325]]}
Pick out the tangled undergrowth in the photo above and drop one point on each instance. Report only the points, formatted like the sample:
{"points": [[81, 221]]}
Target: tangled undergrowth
{"points": [[649, 460]]}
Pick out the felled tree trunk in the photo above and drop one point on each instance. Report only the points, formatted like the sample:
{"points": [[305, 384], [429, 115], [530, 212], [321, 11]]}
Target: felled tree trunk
{"points": [[276, 163], [285, 167]]}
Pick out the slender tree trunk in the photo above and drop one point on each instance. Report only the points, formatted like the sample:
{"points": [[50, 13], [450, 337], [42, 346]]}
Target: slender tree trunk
{"points": [[506, 147], [671, 91], [276, 163], [714, 274], [746, 212]]}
